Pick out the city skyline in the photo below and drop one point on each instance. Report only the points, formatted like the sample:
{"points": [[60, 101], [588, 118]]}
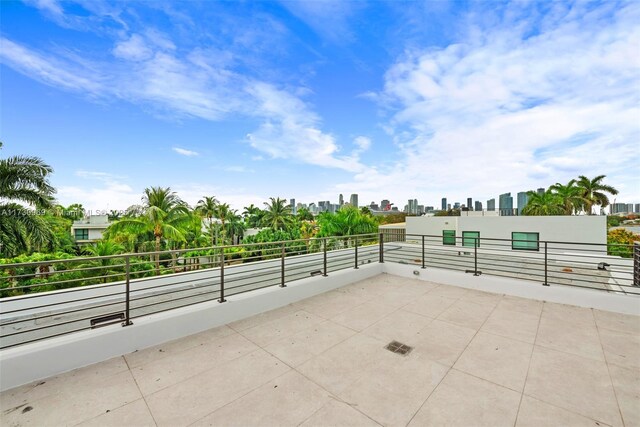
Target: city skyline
{"points": [[313, 99]]}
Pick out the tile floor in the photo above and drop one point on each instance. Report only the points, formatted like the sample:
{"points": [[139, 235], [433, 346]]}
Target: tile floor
{"points": [[478, 359]]}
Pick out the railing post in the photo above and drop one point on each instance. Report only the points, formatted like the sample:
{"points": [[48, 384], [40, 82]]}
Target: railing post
{"points": [[356, 258], [282, 285], [636, 264], [546, 272], [221, 299], [381, 247], [324, 257], [475, 256], [127, 306], [423, 257]]}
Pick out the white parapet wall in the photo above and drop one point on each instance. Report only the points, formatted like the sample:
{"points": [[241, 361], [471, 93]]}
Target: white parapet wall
{"points": [[42, 359], [581, 297]]}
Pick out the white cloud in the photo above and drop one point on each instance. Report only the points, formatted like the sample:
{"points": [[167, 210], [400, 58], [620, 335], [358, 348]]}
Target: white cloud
{"points": [[134, 49], [185, 152], [291, 131], [238, 169], [510, 110], [362, 143]]}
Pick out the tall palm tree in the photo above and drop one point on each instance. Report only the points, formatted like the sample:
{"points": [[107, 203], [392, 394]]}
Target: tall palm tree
{"points": [[278, 214], [252, 215], [569, 194], [234, 227], [546, 203], [207, 208], [222, 212], [593, 192], [24, 180], [164, 216]]}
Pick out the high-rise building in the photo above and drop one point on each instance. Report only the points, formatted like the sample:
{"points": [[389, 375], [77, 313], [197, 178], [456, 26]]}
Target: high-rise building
{"points": [[385, 205], [429, 209], [637, 208], [374, 206], [292, 205], [469, 203], [491, 204], [448, 206], [456, 205], [523, 199], [630, 207], [353, 200], [541, 191], [506, 204], [478, 206], [412, 207], [444, 203], [340, 200], [420, 209]]}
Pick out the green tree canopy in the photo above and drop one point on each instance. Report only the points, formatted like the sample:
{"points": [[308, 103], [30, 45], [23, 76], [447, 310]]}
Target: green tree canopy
{"points": [[278, 214], [593, 192], [24, 180]]}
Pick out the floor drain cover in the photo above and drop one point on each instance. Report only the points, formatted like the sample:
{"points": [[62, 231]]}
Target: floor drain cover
{"points": [[398, 347]]}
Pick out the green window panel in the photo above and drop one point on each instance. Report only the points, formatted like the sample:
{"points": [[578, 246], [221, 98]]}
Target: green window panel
{"points": [[525, 241], [449, 237], [81, 234], [470, 238]]}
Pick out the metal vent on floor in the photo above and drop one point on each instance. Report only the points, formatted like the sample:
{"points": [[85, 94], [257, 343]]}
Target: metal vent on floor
{"points": [[399, 348]]}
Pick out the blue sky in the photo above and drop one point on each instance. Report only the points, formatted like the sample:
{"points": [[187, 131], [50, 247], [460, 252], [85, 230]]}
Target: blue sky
{"points": [[247, 100]]}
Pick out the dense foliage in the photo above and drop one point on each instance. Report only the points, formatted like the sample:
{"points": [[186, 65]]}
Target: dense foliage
{"points": [[620, 242]]}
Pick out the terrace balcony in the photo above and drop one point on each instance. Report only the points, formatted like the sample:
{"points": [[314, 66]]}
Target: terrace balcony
{"points": [[480, 349]]}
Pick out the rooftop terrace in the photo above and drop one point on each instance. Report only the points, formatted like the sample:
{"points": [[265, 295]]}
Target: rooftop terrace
{"points": [[477, 358]]}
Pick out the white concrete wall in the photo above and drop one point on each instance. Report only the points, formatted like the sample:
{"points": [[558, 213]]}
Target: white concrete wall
{"points": [[31, 362], [575, 229]]}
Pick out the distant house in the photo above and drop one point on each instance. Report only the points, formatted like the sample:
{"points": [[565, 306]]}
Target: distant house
{"points": [[89, 230]]}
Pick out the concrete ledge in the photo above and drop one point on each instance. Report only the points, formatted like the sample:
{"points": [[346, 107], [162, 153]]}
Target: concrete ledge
{"points": [[31, 362], [582, 297]]}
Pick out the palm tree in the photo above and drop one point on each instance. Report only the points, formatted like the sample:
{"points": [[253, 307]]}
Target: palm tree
{"points": [[304, 214], [348, 221], [278, 214], [24, 181], [546, 203], [207, 208], [592, 192], [252, 215], [222, 212], [164, 216], [569, 194], [104, 248], [234, 227]]}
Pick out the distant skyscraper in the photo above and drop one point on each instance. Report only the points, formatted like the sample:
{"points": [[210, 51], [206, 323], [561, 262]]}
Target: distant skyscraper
{"points": [[429, 209], [420, 209], [385, 205], [444, 203], [456, 205], [469, 203], [292, 204], [637, 208], [340, 200], [491, 204], [478, 206], [412, 207], [541, 190], [523, 199], [506, 204], [354, 200]]}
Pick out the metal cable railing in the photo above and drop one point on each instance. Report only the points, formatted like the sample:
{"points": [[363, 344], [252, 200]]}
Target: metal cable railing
{"points": [[45, 299]]}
